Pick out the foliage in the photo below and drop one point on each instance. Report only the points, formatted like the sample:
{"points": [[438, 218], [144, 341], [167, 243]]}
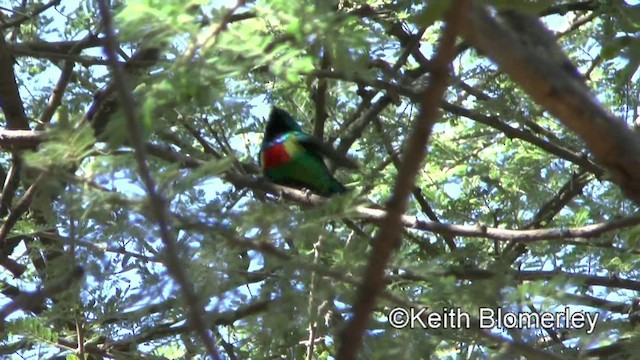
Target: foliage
{"points": [[266, 269]]}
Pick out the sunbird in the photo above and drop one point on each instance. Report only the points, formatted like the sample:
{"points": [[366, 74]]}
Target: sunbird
{"points": [[291, 157]]}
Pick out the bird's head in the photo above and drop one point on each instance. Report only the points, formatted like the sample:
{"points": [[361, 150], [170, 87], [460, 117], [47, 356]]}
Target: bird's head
{"points": [[280, 122]]}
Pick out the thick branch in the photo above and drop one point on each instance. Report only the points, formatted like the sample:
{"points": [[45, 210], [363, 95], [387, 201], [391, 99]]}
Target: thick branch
{"points": [[9, 96], [562, 94]]}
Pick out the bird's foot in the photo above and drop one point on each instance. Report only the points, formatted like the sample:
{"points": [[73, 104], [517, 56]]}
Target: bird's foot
{"points": [[307, 193]]}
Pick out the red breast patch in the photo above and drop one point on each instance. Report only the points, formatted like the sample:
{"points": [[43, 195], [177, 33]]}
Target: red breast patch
{"points": [[275, 156]]}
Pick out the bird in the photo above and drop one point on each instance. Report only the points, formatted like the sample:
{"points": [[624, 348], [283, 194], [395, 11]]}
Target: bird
{"points": [[290, 157]]}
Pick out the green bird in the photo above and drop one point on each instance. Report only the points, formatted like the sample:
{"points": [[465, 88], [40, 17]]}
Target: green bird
{"points": [[291, 157]]}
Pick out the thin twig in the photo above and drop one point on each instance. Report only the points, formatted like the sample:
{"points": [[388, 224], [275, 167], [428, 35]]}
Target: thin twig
{"points": [[169, 328], [98, 247], [80, 336]]}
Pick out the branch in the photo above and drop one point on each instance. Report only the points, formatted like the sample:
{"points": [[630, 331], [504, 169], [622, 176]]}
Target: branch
{"points": [[528, 275], [597, 303], [218, 319], [356, 128], [492, 121], [85, 61], [562, 9], [565, 96], [14, 215], [415, 151], [511, 132], [572, 188], [59, 47], [14, 140], [377, 216], [15, 268], [269, 249], [156, 200], [18, 210], [58, 91], [35, 299], [29, 15], [9, 96], [97, 247], [11, 183]]}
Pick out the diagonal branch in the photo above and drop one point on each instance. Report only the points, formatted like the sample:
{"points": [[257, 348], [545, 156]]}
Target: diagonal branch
{"points": [[491, 121], [550, 209], [417, 193], [18, 210], [61, 86], [515, 133], [35, 299], [565, 96], [373, 283], [30, 15]]}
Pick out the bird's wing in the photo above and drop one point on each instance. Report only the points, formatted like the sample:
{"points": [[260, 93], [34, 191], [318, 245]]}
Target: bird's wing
{"points": [[316, 146]]}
